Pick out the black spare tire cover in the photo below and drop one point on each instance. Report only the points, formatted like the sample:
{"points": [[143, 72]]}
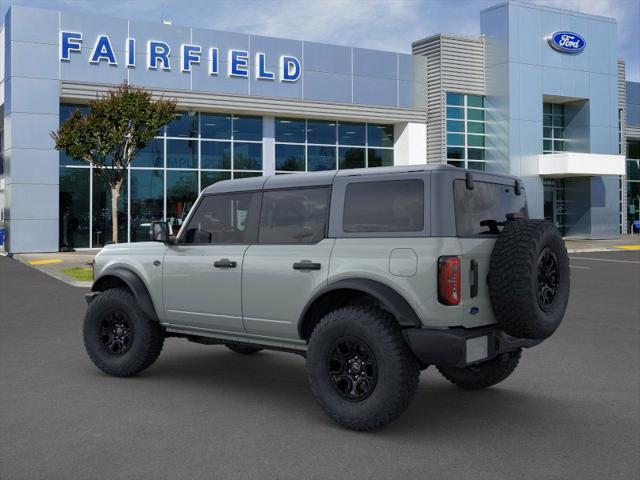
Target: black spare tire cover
{"points": [[529, 278]]}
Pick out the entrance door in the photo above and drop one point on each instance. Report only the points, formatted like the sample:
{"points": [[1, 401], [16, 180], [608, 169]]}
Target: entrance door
{"points": [[290, 262], [202, 272], [555, 204]]}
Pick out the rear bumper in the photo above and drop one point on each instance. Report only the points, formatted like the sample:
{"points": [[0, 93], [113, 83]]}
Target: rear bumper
{"points": [[461, 347]]}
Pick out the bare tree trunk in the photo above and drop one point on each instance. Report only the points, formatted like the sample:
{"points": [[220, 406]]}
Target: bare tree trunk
{"points": [[115, 194]]}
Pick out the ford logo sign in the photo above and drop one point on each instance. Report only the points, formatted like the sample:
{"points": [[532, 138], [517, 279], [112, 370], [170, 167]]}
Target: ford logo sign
{"points": [[567, 42]]}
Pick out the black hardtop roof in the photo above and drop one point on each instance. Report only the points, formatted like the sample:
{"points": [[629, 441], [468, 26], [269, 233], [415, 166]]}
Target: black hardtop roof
{"points": [[313, 179]]}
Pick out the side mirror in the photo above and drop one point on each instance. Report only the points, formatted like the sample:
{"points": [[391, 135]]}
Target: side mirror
{"points": [[159, 232]]}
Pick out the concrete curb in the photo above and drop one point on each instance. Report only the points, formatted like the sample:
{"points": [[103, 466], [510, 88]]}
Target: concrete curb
{"points": [[54, 274], [591, 250]]}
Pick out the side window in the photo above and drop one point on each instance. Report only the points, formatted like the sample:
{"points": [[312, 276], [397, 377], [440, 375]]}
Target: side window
{"points": [[384, 206], [228, 218], [295, 216]]}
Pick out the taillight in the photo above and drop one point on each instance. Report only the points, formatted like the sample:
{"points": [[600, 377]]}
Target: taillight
{"points": [[449, 280]]}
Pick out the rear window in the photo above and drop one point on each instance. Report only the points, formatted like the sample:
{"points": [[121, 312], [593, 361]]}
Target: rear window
{"points": [[384, 206], [483, 210]]}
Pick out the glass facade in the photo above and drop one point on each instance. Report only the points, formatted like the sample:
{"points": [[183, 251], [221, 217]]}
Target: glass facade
{"points": [[552, 128], [633, 182], [465, 130], [305, 145], [192, 152]]}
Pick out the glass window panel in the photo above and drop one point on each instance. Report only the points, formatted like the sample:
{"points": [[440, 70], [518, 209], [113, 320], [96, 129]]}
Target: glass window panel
{"points": [[294, 216], [184, 124], [558, 133], [209, 178], [547, 132], [384, 206], [633, 169], [290, 158], [102, 212], [67, 160], [147, 199], [320, 131], [475, 153], [476, 165], [455, 98], [182, 154], [546, 108], [558, 145], [182, 191], [247, 128], [246, 174], [455, 139], [351, 158], [215, 126], [215, 155], [247, 156], [475, 101], [66, 109], [74, 207], [633, 149], [547, 145], [547, 120], [290, 130], [152, 155], [456, 164], [475, 127], [557, 108], [224, 219], [558, 121], [455, 152], [380, 135], [455, 126], [351, 133], [473, 114], [321, 158], [455, 112], [475, 140], [378, 157]]}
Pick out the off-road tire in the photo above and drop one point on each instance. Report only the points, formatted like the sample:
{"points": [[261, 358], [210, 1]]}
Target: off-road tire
{"points": [[243, 349], [397, 369], [147, 337], [515, 280], [484, 374]]}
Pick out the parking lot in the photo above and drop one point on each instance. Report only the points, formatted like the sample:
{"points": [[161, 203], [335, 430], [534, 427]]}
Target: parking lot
{"points": [[571, 410]]}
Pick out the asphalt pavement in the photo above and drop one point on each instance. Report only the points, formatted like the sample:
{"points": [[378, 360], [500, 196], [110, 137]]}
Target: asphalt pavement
{"points": [[570, 411]]}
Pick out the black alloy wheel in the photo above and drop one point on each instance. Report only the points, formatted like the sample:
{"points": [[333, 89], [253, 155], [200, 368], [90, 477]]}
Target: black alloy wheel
{"points": [[353, 369], [116, 333], [547, 278]]}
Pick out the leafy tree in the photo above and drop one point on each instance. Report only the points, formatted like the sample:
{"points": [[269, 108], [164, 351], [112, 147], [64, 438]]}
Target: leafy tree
{"points": [[117, 126]]}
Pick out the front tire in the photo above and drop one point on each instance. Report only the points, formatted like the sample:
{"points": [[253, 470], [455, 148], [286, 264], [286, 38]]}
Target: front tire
{"points": [[119, 338], [361, 371], [485, 374]]}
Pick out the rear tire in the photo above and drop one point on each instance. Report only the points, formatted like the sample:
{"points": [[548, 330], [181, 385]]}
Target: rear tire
{"points": [[484, 374], [119, 338], [243, 349], [361, 371]]}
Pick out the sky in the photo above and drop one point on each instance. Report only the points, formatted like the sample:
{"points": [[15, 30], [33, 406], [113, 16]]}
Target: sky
{"points": [[378, 24]]}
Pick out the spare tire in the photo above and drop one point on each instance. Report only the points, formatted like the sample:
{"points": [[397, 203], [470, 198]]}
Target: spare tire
{"points": [[529, 279]]}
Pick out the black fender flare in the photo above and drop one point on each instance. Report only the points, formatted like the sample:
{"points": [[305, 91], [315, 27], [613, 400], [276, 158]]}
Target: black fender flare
{"points": [[135, 284], [392, 301]]}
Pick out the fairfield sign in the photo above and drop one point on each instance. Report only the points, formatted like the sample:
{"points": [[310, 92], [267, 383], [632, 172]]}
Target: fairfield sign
{"points": [[159, 56]]}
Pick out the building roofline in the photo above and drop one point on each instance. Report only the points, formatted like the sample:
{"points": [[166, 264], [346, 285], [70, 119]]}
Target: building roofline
{"points": [[520, 3], [430, 38]]}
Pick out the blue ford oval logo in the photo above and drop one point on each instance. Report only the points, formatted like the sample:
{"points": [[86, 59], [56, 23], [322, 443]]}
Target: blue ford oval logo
{"points": [[567, 42]]}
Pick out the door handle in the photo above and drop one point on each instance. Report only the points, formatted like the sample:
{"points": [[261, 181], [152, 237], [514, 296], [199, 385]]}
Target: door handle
{"points": [[306, 265], [474, 279], [224, 263]]}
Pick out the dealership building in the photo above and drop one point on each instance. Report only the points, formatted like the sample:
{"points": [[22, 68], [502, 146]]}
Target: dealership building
{"points": [[541, 94]]}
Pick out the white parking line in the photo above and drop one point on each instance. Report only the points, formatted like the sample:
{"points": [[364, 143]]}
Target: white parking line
{"points": [[582, 268], [604, 260]]}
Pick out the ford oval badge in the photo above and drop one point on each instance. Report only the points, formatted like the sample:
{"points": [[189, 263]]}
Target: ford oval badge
{"points": [[567, 42]]}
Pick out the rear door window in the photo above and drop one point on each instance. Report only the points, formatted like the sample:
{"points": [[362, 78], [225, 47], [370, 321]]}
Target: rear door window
{"points": [[384, 206], [484, 210], [294, 216]]}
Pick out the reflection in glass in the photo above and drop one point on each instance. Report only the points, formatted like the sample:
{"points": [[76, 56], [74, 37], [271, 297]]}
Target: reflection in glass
{"points": [[182, 191], [216, 155], [455, 126], [102, 212], [247, 128], [151, 155], [147, 188], [351, 133], [246, 174], [247, 156], [182, 154], [215, 126], [74, 207], [209, 178], [185, 124], [379, 135], [379, 157], [290, 158], [351, 157], [321, 158], [455, 139], [455, 98], [320, 131], [290, 130]]}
